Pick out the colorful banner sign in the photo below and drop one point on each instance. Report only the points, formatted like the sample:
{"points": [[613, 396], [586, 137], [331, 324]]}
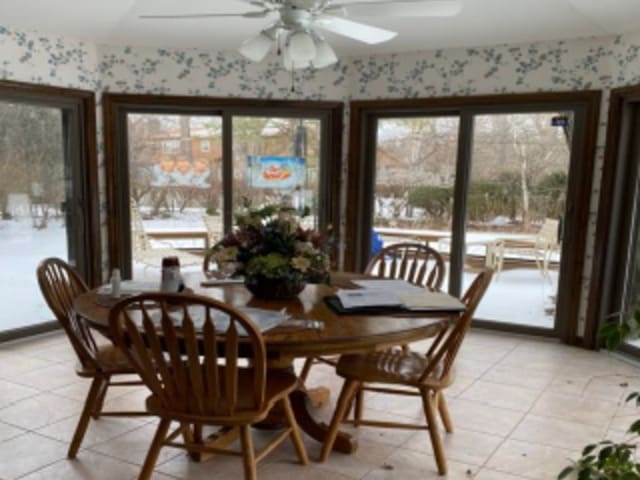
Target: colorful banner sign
{"points": [[276, 172], [181, 173]]}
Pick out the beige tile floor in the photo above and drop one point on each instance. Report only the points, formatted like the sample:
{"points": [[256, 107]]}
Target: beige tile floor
{"points": [[522, 407]]}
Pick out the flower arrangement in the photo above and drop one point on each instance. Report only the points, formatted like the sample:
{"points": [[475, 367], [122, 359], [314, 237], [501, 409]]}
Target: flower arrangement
{"points": [[270, 245]]}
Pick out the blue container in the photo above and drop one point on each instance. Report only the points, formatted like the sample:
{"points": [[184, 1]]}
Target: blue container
{"points": [[376, 242]]}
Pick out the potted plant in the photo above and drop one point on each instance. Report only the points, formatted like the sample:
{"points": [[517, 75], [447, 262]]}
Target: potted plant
{"points": [[274, 253]]}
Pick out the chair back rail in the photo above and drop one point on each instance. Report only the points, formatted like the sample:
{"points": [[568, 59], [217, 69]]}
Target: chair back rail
{"points": [[60, 285], [414, 262], [193, 372], [444, 349]]}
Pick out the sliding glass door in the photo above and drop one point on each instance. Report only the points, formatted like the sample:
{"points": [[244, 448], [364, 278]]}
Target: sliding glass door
{"points": [[516, 202], [181, 172], [175, 188], [415, 172], [487, 185], [43, 201], [277, 160]]}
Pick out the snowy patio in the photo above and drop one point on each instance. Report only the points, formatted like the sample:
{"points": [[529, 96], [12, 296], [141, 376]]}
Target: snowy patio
{"points": [[518, 296]]}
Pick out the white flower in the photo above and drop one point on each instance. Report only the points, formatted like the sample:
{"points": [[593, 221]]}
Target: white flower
{"points": [[305, 248], [300, 263]]}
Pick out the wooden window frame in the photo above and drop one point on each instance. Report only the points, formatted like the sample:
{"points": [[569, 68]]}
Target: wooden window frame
{"points": [[116, 107], [79, 108], [361, 158], [614, 220]]}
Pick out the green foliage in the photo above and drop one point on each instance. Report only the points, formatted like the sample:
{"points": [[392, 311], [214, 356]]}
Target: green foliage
{"points": [[437, 201], [488, 199], [270, 242], [548, 195]]}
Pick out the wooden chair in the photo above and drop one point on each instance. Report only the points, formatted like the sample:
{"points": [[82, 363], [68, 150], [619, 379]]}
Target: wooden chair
{"points": [[416, 263], [193, 368], [214, 226], [420, 375], [60, 285]]}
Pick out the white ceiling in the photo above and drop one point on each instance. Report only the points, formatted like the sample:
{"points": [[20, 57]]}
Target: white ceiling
{"points": [[482, 22]]}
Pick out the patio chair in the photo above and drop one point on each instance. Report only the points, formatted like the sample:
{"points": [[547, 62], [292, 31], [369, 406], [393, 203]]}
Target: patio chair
{"points": [[540, 248], [143, 251], [409, 373], [196, 376], [60, 285]]}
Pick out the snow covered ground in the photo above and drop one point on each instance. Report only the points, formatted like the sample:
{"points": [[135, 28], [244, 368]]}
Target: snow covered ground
{"points": [[519, 296], [22, 247]]}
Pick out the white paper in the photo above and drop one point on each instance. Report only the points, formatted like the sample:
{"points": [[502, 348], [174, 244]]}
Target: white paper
{"points": [[368, 297], [131, 287], [427, 300], [214, 282], [263, 319], [386, 284]]}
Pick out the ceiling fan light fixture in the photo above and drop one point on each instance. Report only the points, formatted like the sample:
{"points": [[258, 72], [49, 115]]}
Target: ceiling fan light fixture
{"points": [[325, 55], [291, 64], [256, 48], [301, 47]]}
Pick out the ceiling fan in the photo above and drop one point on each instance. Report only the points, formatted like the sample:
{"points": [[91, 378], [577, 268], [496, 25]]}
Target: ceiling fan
{"points": [[295, 25]]}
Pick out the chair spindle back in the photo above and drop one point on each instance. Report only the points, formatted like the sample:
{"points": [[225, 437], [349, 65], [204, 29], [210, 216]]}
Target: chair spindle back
{"points": [[445, 347], [191, 370], [414, 262], [60, 285]]}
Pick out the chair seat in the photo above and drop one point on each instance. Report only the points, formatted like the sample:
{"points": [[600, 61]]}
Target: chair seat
{"points": [[391, 366], [111, 359], [278, 385]]}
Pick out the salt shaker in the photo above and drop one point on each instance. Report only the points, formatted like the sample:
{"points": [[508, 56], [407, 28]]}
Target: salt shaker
{"points": [[171, 278], [115, 283]]}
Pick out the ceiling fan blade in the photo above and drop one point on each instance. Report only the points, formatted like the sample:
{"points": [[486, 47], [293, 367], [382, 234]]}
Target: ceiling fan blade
{"points": [[355, 30], [257, 14], [400, 8]]}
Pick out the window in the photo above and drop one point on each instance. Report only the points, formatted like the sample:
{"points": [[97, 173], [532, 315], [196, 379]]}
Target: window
{"points": [[48, 196], [487, 181], [180, 203]]}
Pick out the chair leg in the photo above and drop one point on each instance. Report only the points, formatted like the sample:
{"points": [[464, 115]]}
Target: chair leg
{"points": [[358, 407], [344, 401], [85, 416], [248, 454], [154, 449], [100, 400], [436, 441], [444, 413], [304, 373], [296, 438], [187, 433]]}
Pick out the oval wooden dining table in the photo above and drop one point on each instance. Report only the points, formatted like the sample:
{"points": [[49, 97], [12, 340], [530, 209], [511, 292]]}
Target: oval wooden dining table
{"points": [[340, 334]]}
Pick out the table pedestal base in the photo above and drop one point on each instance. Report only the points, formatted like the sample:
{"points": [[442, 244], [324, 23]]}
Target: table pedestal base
{"points": [[300, 400]]}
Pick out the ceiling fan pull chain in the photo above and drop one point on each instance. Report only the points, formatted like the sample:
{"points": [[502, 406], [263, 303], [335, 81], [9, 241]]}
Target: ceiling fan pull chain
{"points": [[293, 79]]}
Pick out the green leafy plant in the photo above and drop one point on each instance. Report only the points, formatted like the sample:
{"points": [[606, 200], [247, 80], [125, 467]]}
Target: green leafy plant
{"points": [[270, 242], [609, 460]]}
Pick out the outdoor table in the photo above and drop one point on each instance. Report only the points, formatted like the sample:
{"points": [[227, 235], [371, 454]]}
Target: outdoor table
{"points": [[342, 334]]}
